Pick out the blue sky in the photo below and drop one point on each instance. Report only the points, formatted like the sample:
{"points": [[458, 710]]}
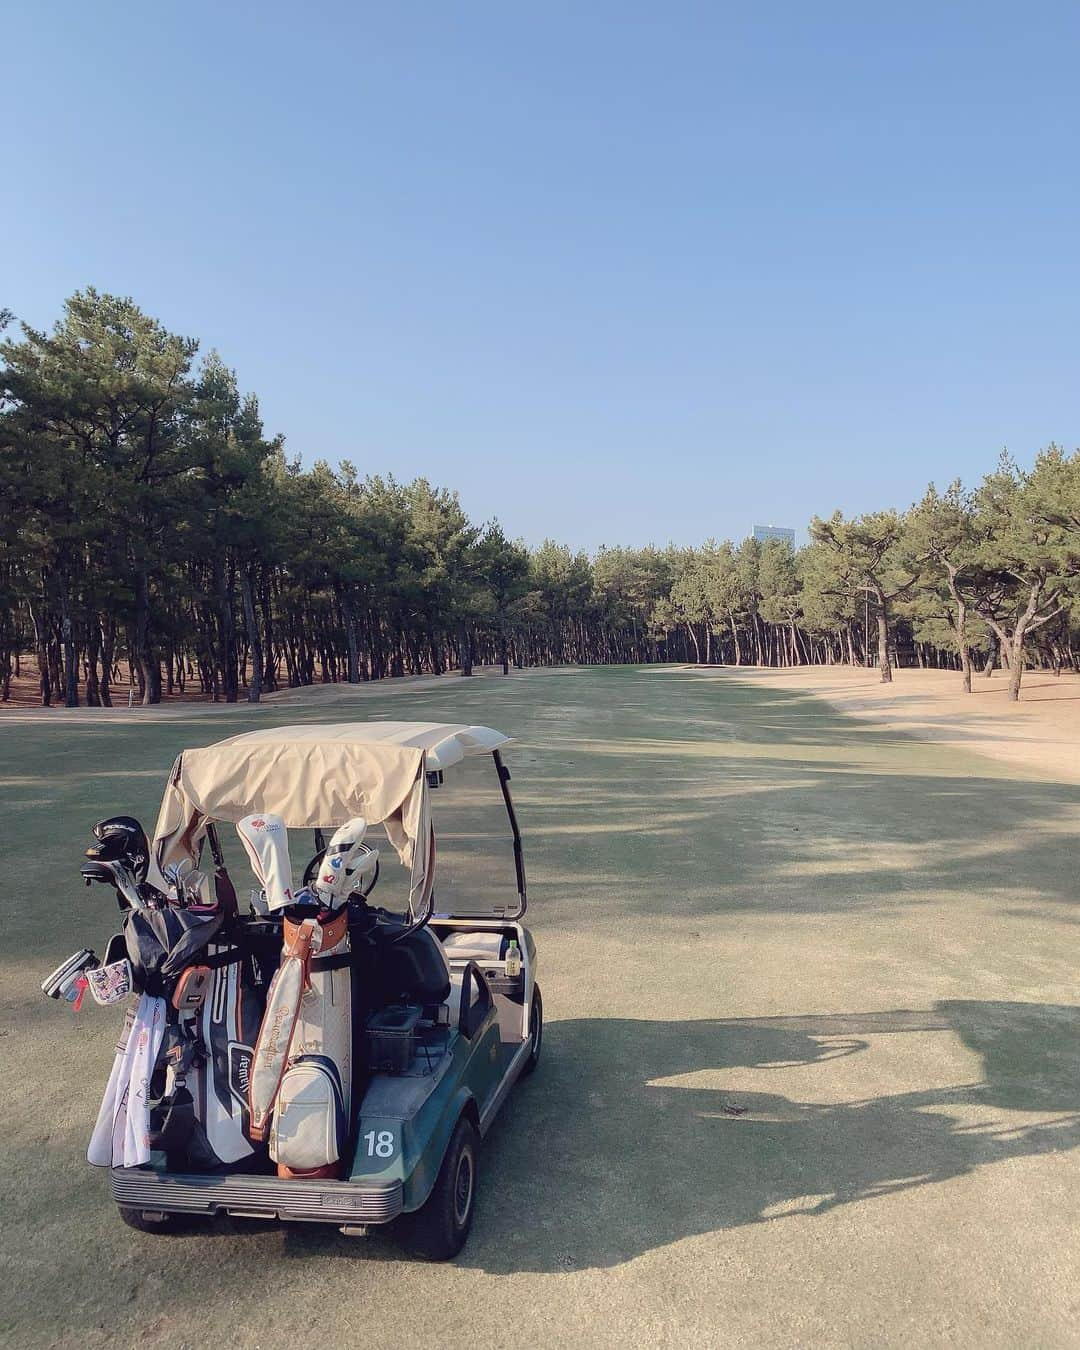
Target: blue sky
{"points": [[619, 272]]}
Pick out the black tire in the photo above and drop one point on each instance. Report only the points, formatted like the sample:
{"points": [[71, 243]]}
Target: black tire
{"points": [[437, 1231], [170, 1223], [536, 1032]]}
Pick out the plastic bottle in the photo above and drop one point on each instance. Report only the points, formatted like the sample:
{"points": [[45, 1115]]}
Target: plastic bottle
{"points": [[513, 960]]}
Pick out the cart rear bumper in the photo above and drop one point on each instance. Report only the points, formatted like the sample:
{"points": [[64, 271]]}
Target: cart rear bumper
{"points": [[255, 1197]]}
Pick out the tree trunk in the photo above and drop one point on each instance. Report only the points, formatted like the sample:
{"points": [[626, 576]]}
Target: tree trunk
{"points": [[227, 630], [1016, 668], [71, 666], [108, 652], [965, 665], [883, 635], [41, 649], [348, 613], [465, 654], [149, 668], [962, 645], [93, 651], [254, 638], [266, 602]]}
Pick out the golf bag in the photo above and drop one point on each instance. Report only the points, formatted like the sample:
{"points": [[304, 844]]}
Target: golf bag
{"points": [[228, 1024], [301, 1077], [199, 1118], [215, 998]]}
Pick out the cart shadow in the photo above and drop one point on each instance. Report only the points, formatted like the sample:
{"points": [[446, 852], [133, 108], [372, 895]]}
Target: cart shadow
{"points": [[596, 1162]]}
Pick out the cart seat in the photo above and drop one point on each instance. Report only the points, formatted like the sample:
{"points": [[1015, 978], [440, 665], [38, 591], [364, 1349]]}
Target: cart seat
{"points": [[414, 970], [475, 945]]}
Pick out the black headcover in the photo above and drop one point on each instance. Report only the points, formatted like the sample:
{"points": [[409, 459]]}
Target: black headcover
{"points": [[122, 839], [161, 942]]}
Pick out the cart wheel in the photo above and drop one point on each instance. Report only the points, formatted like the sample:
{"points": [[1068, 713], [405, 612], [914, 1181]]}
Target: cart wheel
{"points": [[437, 1231], [536, 1032], [168, 1223]]}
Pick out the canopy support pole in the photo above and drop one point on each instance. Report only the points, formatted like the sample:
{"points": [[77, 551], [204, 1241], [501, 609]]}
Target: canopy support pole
{"points": [[519, 860]]}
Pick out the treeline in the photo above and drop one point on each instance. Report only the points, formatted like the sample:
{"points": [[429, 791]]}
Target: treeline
{"points": [[149, 522], [988, 577]]}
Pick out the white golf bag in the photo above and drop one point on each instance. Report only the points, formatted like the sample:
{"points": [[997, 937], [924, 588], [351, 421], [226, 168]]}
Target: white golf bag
{"points": [[301, 1077], [301, 1074]]}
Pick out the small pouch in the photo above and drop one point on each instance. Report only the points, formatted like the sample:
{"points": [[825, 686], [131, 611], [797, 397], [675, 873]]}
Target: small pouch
{"points": [[308, 1130], [111, 983], [191, 988]]}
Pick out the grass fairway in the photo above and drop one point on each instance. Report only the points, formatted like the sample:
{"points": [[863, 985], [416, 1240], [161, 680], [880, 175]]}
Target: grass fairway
{"points": [[811, 1074]]}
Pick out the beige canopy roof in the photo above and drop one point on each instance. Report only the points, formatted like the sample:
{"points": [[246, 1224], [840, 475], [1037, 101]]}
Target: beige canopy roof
{"points": [[444, 743], [318, 775]]}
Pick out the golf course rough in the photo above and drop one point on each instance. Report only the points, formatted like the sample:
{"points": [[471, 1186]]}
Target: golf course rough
{"points": [[812, 1061]]}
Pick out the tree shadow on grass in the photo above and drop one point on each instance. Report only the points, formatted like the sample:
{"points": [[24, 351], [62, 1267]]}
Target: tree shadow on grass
{"points": [[767, 835], [597, 1160], [601, 1157], [600, 1162], [721, 798]]}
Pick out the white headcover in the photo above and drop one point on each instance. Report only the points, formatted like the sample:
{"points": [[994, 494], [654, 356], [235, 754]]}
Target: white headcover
{"points": [[267, 842], [346, 863]]}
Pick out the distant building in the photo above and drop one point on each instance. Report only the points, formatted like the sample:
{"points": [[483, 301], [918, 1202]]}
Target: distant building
{"points": [[763, 532]]}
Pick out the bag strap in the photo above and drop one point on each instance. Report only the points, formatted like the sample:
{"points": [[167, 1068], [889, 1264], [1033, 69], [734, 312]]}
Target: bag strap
{"points": [[339, 961], [231, 956], [178, 1122]]}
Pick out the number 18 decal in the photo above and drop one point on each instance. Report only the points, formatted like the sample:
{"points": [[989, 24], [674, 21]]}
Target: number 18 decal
{"points": [[380, 1145]]}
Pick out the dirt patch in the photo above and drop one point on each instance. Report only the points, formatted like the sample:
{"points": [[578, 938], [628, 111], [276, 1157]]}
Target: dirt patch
{"points": [[1041, 733]]}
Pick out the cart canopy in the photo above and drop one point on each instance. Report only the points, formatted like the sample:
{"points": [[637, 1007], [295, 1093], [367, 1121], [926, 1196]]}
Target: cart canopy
{"points": [[319, 775]]}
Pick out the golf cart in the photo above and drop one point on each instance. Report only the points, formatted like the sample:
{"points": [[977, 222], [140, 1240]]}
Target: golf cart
{"points": [[321, 1059]]}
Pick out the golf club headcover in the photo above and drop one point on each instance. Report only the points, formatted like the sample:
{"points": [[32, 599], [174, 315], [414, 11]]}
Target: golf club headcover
{"points": [[122, 839], [267, 843], [63, 982], [111, 983], [283, 999], [346, 864], [112, 979]]}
